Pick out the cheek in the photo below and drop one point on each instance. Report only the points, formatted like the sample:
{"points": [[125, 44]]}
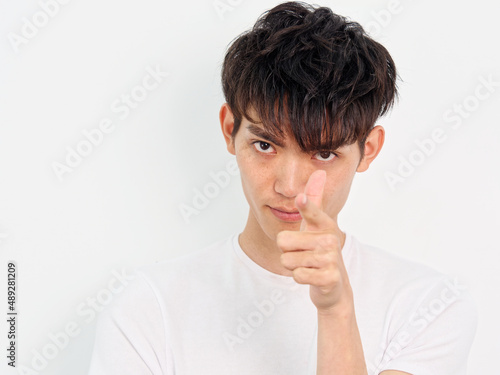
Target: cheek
{"points": [[255, 170], [337, 190], [252, 174]]}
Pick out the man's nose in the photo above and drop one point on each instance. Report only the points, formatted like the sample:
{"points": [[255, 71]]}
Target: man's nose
{"points": [[290, 177]]}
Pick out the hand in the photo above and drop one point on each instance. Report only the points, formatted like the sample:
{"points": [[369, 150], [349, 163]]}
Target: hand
{"points": [[313, 254]]}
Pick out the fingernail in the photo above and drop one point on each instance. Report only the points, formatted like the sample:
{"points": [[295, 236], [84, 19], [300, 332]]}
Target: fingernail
{"points": [[304, 200]]}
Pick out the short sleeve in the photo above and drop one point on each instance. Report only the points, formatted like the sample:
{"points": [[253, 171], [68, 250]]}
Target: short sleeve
{"points": [[130, 336], [437, 337]]}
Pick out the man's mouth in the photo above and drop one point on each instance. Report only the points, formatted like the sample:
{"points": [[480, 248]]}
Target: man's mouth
{"points": [[286, 214]]}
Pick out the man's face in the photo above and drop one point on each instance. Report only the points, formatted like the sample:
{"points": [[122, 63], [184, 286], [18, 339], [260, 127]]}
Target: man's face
{"points": [[274, 172]]}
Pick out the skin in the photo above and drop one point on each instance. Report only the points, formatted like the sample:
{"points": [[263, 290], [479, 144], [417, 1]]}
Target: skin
{"points": [[316, 185]]}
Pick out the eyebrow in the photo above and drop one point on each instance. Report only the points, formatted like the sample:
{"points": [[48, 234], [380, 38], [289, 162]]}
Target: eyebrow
{"points": [[262, 133], [259, 132]]}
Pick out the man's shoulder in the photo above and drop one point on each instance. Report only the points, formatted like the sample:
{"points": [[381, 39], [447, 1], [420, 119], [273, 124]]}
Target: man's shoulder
{"points": [[383, 263], [389, 287], [377, 273]]}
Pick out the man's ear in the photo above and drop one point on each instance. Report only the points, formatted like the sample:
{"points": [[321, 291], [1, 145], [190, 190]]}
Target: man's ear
{"points": [[373, 145], [226, 119]]}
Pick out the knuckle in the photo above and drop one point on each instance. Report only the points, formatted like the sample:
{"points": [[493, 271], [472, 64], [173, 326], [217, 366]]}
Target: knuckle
{"points": [[317, 258], [284, 258], [331, 258], [296, 275], [322, 280], [281, 238], [314, 215], [334, 277], [329, 241], [328, 279], [325, 258], [321, 258], [299, 275]]}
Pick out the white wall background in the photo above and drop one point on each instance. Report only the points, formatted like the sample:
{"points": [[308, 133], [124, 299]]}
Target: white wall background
{"points": [[119, 207]]}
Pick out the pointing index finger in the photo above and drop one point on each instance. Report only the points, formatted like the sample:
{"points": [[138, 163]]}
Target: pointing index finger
{"points": [[313, 217], [315, 187]]}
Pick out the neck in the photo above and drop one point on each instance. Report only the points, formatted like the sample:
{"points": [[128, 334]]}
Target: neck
{"points": [[261, 247]]}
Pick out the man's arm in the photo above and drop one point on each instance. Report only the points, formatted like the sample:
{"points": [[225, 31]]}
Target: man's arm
{"points": [[339, 345], [314, 256]]}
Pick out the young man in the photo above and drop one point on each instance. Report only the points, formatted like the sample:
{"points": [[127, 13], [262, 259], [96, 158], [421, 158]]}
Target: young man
{"points": [[293, 293]]}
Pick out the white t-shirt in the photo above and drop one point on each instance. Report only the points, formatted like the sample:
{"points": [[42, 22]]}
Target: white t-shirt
{"points": [[215, 311]]}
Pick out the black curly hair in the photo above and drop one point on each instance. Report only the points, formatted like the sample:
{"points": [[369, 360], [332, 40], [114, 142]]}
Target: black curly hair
{"points": [[311, 73]]}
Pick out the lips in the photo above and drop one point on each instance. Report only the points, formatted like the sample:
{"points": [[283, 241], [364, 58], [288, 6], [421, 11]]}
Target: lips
{"points": [[286, 210], [286, 214]]}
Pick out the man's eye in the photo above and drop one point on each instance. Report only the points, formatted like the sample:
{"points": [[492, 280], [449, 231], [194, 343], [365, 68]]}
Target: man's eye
{"points": [[325, 155], [262, 146]]}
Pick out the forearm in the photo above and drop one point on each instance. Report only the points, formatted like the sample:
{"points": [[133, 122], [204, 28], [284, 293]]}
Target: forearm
{"points": [[340, 351]]}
